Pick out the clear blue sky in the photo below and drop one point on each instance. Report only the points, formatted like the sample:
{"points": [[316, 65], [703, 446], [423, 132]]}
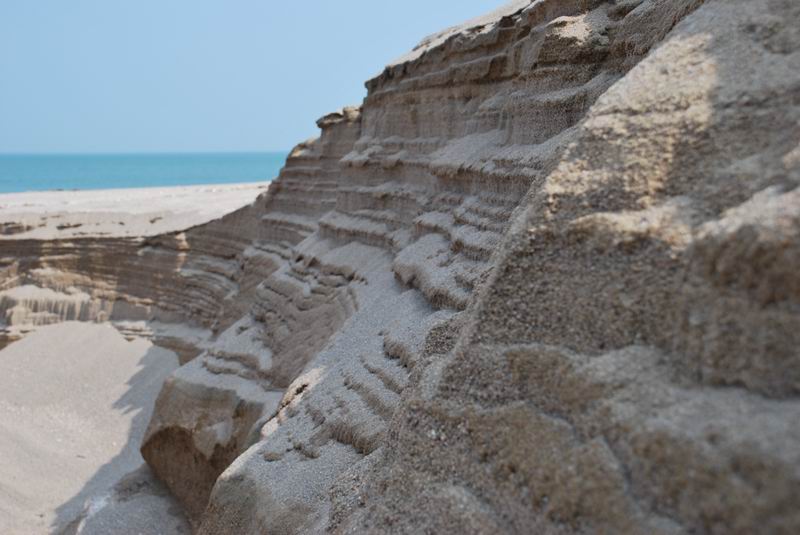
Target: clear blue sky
{"points": [[195, 75]]}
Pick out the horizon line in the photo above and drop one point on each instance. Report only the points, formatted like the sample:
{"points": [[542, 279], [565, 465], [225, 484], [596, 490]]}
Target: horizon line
{"points": [[146, 153]]}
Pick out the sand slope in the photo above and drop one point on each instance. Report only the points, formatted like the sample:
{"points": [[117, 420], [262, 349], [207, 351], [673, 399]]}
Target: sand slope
{"points": [[74, 401]]}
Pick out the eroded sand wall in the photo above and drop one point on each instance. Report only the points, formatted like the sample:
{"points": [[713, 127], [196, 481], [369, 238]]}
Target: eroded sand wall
{"points": [[545, 278]]}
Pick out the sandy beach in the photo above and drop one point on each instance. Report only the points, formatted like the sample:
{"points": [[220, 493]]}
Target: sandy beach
{"points": [[76, 397], [119, 212]]}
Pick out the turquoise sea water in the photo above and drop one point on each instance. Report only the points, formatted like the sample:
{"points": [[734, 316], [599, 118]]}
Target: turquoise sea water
{"points": [[104, 171]]}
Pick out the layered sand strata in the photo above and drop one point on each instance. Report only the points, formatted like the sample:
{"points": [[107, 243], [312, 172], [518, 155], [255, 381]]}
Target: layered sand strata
{"points": [[76, 393], [544, 278]]}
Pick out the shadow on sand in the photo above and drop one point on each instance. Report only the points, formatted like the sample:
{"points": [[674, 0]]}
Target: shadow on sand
{"points": [[123, 496]]}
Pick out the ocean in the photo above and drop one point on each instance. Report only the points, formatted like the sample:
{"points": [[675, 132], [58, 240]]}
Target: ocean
{"points": [[106, 171]]}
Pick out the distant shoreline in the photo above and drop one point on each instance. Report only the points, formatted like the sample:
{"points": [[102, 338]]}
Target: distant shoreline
{"points": [[233, 185], [138, 153], [119, 212]]}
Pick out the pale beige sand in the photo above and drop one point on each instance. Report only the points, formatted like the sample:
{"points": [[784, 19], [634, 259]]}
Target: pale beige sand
{"points": [[75, 399], [119, 212]]}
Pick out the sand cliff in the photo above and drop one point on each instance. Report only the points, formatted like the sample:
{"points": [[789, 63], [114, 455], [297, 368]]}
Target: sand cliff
{"points": [[545, 279]]}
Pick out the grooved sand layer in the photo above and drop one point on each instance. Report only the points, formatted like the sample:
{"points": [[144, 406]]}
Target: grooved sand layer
{"points": [[543, 279]]}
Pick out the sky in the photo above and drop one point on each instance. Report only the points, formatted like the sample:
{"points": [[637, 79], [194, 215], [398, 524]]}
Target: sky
{"points": [[108, 76]]}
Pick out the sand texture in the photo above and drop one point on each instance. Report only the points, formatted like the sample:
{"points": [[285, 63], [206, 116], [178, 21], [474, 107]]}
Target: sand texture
{"points": [[75, 399], [543, 280], [137, 212]]}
